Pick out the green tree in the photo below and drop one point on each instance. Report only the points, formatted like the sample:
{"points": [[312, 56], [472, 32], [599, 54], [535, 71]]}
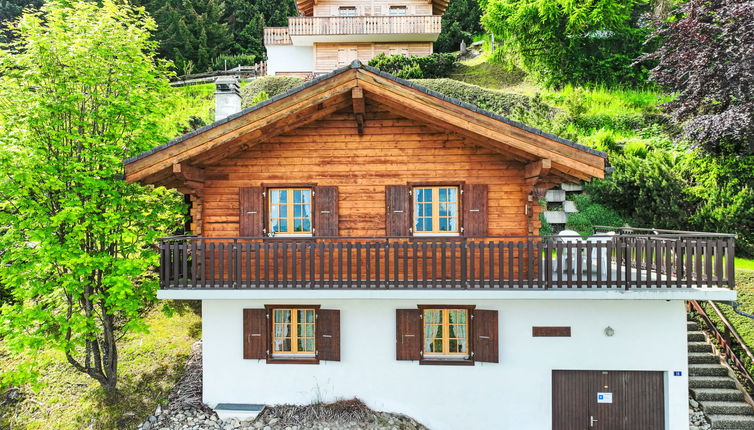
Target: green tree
{"points": [[80, 90], [191, 33], [10, 10], [460, 22], [561, 41]]}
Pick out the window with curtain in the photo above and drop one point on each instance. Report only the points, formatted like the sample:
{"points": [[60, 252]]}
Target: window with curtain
{"points": [[398, 10], [290, 211], [293, 331], [347, 11], [436, 210], [445, 333]]}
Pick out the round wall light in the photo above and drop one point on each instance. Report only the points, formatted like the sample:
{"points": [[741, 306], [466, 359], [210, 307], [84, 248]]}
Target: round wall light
{"points": [[609, 331]]}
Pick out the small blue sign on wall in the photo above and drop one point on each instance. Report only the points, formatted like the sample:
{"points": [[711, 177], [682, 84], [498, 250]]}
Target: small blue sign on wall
{"points": [[677, 373]]}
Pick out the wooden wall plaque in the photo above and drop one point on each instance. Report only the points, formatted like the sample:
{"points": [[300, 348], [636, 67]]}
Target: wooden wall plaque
{"points": [[551, 331]]}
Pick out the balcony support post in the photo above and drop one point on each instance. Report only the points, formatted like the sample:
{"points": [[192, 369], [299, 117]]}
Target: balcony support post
{"points": [[359, 108]]}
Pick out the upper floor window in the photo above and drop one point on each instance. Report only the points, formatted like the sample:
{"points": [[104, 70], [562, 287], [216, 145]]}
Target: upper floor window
{"points": [[347, 11], [293, 331], [398, 10], [290, 211], [436, 210], [445, 333]]}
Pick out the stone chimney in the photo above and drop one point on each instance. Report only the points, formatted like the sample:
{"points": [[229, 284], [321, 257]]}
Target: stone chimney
{"points": [[227, 97]]}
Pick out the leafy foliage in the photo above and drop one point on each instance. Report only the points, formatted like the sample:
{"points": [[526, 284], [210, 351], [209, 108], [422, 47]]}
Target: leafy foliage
{"points": [[649, 190], [461, 21], [592, 213], [561, 41], [10, 10], [432, 66], [491, 100], [81, 91], [270, 85], [707, 59]]}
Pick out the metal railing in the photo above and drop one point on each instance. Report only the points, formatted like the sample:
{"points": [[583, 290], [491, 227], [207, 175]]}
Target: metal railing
{"points": [[726, 340], [336, 25], [530, 262]]}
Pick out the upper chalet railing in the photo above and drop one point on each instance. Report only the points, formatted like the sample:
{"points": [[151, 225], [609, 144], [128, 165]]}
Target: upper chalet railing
{"points": [[620, 261], [339, 25], [276, 36]]}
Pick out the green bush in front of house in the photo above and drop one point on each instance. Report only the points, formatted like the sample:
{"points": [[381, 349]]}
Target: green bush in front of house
{"points": [[492, 100], [432, 66], [271, 85]]}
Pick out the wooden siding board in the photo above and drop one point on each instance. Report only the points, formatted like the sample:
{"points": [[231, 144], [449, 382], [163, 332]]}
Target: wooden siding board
{"points": [[371, 162]]}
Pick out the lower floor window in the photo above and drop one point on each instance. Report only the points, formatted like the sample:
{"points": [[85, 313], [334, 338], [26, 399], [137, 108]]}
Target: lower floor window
{"points": [[293, 331], [446, 333]]}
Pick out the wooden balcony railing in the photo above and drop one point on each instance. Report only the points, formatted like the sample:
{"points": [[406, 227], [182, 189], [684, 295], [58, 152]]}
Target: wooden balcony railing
{"points": [[336, 25], [612, 262], [276, 36]]}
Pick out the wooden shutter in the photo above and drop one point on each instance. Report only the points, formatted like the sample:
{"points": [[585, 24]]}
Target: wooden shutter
{"points": [[485, 338], [251, 217], [255, 333], [407, 334], [475, 210], [397, 221], [326, 211], [328, 334]]}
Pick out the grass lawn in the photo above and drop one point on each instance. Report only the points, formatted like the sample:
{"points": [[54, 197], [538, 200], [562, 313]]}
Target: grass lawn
{"points": [[150, 364], [744, 263]]}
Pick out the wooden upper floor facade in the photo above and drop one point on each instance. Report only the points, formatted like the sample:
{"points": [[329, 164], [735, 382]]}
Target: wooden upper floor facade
{"points": [[357, 176]]}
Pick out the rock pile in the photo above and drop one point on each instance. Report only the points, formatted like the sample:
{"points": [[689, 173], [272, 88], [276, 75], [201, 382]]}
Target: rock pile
{"points": [[697, 418]]}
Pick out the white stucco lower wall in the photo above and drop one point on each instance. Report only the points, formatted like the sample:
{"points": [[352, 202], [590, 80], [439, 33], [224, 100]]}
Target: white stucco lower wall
{"points": [[514, 394], [289, 58]]}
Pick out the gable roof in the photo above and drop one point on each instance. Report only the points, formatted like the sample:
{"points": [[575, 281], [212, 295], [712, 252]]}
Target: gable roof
{"points": [[306, 7], [329, 93]]}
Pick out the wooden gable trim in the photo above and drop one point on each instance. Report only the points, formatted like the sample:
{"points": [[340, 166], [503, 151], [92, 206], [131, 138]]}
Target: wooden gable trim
{"points": [[352, 88], [241, 126], [589, 165]]}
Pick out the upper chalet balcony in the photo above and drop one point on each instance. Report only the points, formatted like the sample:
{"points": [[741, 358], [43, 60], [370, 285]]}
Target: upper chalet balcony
{"points": [[306, 30], [621, 259]]}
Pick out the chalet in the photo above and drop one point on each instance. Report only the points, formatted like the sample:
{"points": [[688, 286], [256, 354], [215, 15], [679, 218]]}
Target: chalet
{"points": [[330, 34], [362, 236]]}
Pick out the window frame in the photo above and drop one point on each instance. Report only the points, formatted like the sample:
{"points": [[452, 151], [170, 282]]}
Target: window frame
{"points": [[341, 9], [448, 359], [267, 205], [397, 7], [459, 205], [289, 358]]}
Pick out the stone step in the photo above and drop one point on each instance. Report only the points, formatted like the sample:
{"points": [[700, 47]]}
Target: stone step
{"points": [[717, 394], [692, 326], [700, 347], [703, 358], [711, 382], [707, 370], [727, 408], [731, 422], [696, 336]]}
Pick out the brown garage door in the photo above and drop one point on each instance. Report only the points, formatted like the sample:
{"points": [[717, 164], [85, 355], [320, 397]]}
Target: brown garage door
{"points": [[607, 400]]}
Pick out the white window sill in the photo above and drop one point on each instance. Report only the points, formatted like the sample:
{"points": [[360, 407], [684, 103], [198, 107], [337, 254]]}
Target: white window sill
{"points": [[436, 234], [441, 357], [283, 236], [292, 356]]}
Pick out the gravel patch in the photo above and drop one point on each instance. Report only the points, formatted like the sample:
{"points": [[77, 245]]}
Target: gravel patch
{"points": [[185, 411], [697, 418]]}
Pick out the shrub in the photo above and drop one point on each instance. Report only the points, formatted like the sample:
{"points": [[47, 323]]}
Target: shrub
{"points": [[635, 148], [592, 213], [271, 85], [232, 61], [491, 100], [432, 66], [603, 140]]}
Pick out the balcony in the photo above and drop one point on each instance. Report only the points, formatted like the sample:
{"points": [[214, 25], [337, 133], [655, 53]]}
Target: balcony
{"points": [[306, 30], [624, 259]]}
